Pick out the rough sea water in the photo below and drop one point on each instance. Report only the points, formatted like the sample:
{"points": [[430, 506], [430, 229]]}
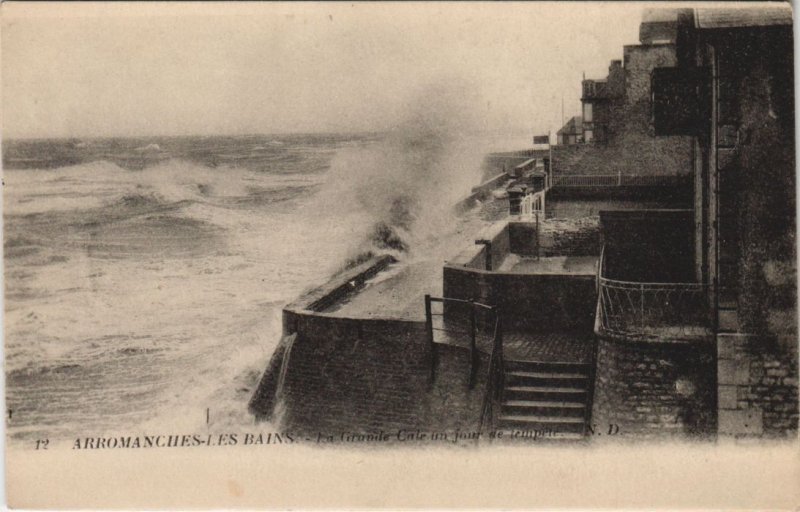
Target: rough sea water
{"points": [[144, 278]]}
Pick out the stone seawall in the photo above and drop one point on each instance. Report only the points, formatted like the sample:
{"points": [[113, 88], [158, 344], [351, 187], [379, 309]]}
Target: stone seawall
{"points": [[332, 375], [480, 192], [354, 375]]}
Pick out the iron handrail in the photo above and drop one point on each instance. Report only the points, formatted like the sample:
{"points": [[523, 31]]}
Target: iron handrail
{"points": [[472, 332], [460, 301], [494, 379]]}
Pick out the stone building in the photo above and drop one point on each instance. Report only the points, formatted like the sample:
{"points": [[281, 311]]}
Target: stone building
{"points": [[571, 132], [659, 26], [599, 99], [617, 117], [732, 91]]}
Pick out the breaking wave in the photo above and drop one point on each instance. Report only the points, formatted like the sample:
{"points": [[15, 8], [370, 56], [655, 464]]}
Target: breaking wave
{"points": [[407, 183]]}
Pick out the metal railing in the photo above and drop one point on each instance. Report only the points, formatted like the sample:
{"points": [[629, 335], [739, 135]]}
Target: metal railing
{"points": [[495, 380], [532, 204], [659, 310], [616, 180], [587, 180], [477, 323]]}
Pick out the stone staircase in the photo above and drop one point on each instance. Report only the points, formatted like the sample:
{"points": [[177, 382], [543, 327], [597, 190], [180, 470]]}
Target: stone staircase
{"points": [[544, 401]]}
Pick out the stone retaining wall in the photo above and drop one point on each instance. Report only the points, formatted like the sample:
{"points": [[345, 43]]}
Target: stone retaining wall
{"points": [[651, 389], [571, 237]]}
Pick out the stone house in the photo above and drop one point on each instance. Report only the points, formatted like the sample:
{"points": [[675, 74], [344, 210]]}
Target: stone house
{"points": [[732, 92], [571, 132], [617, 117]]}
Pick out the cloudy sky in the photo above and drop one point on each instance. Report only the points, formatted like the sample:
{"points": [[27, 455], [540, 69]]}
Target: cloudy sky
{"points": [[111, 70]]}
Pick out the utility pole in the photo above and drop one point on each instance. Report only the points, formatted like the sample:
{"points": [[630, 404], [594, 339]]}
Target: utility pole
{"points": [[550, 149]]}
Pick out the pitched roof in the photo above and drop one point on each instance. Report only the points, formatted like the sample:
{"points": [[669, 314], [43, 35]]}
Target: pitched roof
{"points": [[572, 127], [743, 17]]}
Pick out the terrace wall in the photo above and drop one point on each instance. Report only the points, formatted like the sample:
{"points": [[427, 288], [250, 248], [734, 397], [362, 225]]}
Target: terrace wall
{"points": [[476, 256], [527, 301]]}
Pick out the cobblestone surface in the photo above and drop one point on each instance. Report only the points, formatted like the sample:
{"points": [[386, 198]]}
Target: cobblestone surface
{"points": [[548, 346], [554, 346]]}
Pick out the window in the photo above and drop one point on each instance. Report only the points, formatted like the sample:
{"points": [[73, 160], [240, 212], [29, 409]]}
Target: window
{"points": [[587, 112], [588, 136]]}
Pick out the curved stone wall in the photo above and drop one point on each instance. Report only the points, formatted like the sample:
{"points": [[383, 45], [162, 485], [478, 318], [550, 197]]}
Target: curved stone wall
{"points": [[658, 389]]}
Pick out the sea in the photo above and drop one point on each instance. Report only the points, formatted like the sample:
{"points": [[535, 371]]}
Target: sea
{"points": [[145, 277]]}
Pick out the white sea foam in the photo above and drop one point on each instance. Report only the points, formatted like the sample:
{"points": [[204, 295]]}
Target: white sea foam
{"points": [[410, 180]]}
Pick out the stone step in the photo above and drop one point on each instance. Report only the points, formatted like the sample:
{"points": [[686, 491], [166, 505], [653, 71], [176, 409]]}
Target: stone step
{"points": [[548, 375], [528, 419], [543, 366], [549, 379], [544, 424], [545, 393], [529, 436], [543, 408]]}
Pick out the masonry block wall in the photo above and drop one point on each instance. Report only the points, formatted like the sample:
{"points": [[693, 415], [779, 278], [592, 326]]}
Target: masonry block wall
{"points": [[367, 376], [451, 404], [654, 389], [557, 237], [355, 376], [758, 388], [570, 237]]}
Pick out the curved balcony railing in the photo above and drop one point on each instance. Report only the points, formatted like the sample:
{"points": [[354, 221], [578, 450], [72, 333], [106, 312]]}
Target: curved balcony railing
{"points": [[666, 311], [532, 205]]}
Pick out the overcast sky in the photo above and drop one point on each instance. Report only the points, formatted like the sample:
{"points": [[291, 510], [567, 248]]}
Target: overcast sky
{"points": [[274, 68]]}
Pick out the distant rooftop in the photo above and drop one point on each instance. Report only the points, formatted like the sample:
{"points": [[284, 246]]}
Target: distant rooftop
{"points": [[572, 127], [659, 15], [658, 26], [743, 17]]}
